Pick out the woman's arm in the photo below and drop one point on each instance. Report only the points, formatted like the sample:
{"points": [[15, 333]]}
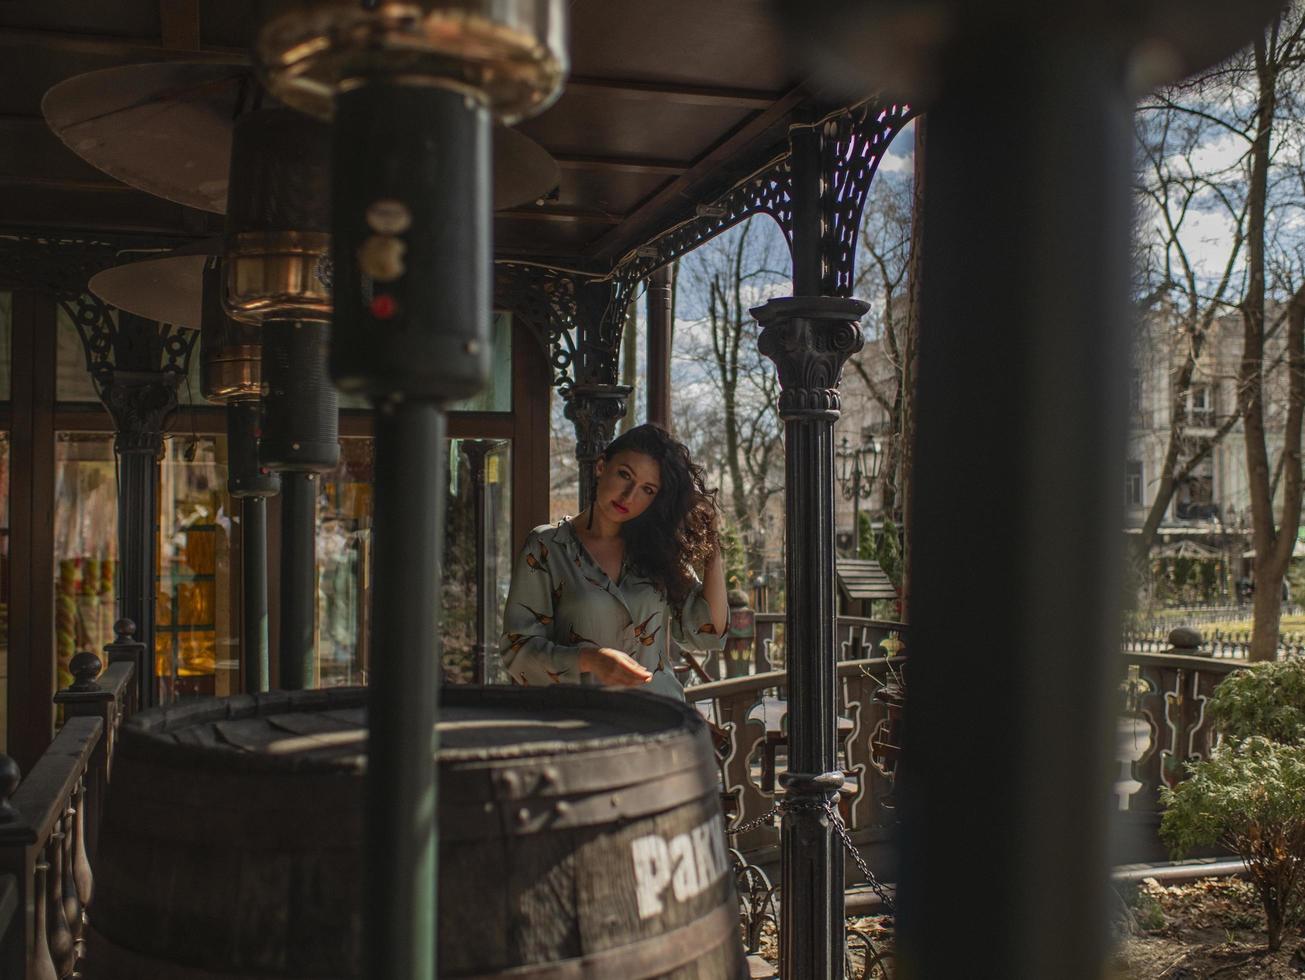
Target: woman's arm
{"points": [[713, 590], [527, 648]]}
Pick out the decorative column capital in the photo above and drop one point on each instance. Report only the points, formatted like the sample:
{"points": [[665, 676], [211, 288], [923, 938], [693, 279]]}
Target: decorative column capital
{"points": [[595, 409], [141, 403], [810, 338]]}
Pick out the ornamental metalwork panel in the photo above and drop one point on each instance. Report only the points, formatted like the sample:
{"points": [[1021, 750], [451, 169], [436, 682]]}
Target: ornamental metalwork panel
{"points": [[853, 145]]}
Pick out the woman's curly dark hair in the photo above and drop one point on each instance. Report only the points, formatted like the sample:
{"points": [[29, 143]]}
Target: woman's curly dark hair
{"points": [[678, 530]]}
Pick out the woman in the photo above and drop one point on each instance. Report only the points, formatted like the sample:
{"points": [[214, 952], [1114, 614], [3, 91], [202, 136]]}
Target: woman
{"points": [[595, 599]]}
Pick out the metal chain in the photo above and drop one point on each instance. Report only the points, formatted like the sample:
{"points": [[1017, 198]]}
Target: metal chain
{"points": [[840, 829]]}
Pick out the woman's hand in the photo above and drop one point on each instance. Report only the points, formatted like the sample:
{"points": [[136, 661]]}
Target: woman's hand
{"points": [[612, 668]]}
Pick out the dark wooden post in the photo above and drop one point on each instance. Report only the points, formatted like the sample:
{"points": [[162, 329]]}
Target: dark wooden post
{"points": [[661, 326], [594, 409], [1018, 453]]}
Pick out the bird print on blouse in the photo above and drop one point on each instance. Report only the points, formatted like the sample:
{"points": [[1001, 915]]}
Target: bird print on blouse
{"points": [[561, 601], [543, 619]]}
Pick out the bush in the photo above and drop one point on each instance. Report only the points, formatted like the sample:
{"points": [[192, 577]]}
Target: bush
{"points": [[1267, 699], [1250, 796]]}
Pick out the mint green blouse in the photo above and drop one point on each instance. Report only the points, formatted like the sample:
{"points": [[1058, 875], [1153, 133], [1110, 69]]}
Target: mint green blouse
{"points": [[561, 600]]}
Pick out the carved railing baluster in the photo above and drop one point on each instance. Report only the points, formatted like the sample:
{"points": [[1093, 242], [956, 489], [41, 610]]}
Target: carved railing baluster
{"points": [[63, 947], [41, 963], [72, 902], [82, 874]]}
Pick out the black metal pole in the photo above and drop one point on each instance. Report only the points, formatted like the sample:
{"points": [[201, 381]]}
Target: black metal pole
{"points": [[409, 528], [1020, 399], [251, 483], [296, 648], [411, 192], [138, 479], [253, 593], [660, 328]]}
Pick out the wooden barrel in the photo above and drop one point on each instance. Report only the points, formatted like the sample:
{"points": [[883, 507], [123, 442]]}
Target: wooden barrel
{"points": [[580, 837]]}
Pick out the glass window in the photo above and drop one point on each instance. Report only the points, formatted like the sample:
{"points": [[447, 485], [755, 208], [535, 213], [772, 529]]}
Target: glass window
{"points": [[196, 649], [1133, 483], [73, 381], [346, 565], [85, 545], [344, 550], [193, 644], [478, 527]]}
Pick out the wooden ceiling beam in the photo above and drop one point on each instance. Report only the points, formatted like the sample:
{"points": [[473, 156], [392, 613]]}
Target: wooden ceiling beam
{"points": [[704, 95], [629, 165], [547, 212], [641, 223], [129, 49]]}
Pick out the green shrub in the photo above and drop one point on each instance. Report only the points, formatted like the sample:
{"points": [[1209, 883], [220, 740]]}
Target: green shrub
{"points": [[1266, 699], [1250, 796]]}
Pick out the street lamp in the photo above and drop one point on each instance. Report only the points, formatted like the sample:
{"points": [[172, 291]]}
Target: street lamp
{"points": [[857, 471]]}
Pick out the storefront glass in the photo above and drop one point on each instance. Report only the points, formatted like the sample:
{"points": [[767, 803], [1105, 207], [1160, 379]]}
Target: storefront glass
{"points": [[345, 559], [85, 546], [196, 649]]}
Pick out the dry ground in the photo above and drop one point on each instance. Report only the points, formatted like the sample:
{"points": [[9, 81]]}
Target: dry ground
{"points": [[1210, 928]]}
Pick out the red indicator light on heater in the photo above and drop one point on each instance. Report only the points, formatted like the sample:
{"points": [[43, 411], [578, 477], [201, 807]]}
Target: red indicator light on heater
{"points": [[384, 307]]}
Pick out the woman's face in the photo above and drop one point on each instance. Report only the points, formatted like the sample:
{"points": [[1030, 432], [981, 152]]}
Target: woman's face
{"points": [[627, 484]]}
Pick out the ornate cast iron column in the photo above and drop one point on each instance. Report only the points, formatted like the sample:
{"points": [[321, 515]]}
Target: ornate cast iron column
{"points": [[136, 366], [809, 336], [581, 321], [594, 409]]}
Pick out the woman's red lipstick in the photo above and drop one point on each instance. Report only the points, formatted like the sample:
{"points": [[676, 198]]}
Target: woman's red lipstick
{"points": [[623, 510]]}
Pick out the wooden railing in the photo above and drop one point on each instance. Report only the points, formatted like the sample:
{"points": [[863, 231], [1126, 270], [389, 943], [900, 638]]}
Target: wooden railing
{"points": [[749, 715], [49, 821], [1164, 698], [1162, 724]]}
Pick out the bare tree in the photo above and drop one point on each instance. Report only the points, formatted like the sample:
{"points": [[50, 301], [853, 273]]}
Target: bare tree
{"points": [[1247, 113], [888, 278], [730, 415], [1178, 300]]}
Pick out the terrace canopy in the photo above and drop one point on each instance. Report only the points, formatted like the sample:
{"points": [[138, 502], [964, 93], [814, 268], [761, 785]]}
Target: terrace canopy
{"points": [[679, 119]]}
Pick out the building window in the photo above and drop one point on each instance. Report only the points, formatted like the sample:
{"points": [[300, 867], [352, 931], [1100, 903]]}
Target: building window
{"points": [[1135, 394], [1200, 404], [1194, 499], [1133, 483]]}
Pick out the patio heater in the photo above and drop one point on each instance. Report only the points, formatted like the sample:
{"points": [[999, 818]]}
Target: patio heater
{"points": [[411, 87], [1025, 182], [231, 374], [277, 272]]}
